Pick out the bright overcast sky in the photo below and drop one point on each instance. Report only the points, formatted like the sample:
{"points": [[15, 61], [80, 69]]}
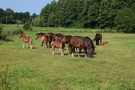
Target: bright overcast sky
{"points": [[32, 6]]}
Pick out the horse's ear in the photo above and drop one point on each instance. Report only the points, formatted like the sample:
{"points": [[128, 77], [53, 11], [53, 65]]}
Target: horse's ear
{"points": [[21, 32]]}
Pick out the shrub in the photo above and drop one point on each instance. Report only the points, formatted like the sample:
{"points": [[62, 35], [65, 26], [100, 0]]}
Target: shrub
{"points": [[27, 26], [1, 27], [5, 35]]}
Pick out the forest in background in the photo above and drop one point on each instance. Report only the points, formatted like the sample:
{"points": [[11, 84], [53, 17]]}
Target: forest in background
{"points": [[101, 14], [114, 14], [8, 16]]}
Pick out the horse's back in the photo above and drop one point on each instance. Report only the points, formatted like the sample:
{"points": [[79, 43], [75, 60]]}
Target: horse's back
{"points": [[77, 41]]}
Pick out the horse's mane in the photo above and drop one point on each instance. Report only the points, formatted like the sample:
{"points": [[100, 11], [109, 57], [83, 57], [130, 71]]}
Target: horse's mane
{"points": [[40, 33]]}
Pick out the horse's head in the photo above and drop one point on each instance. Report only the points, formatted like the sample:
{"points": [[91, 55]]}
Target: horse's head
{"points": [[21, 35], [40, 35], [37, 36]]}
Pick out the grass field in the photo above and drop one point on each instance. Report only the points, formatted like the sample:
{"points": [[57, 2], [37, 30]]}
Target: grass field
{"points": [[112, 68]]}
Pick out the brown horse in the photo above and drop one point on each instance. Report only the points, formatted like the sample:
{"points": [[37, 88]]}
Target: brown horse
{"points": [[98, 39], [64, 38], [26, 39], [45, 38], [81, 43], [57, 44], [104, 44]]}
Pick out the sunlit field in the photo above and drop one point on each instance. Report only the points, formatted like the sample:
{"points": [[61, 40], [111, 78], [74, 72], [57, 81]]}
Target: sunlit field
{"points": [[112, 68]]}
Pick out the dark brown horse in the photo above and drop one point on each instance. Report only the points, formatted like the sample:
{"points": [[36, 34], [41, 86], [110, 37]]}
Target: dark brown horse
{"points": [[98, 39], [26, 39], [81, 43]]}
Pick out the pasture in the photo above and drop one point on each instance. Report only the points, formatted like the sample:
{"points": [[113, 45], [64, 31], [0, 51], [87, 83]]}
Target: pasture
{"points": [[112, 68]]}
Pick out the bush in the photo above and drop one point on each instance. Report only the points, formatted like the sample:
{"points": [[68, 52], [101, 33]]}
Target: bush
{"points": [[27, 26], [5, 35], [1, 27]]}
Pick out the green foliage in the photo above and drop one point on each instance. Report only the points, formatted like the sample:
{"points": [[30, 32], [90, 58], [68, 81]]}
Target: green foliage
{"points": [[7, 33], [27, 26], [10, 17], [36, 22], [86, 14], [1, 27], [125, 20]]}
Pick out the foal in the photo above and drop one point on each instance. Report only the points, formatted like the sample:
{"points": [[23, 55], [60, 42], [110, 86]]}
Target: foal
{"points": [[26, 40], [57, 44]]}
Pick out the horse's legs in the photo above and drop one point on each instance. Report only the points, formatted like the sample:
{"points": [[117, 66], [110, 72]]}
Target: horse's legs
{"points": [[97, 42], [72, 51], [26, 45], [100, 41], [50, 44], [53, 49], [79, 52], [42, 44], [30, 46], [72, 54], [62, 52], [85, 50], [23, 45]]}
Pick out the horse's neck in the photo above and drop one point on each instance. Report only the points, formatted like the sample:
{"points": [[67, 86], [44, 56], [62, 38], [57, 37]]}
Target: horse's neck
{"points": [[42, 37], [24, 37]]}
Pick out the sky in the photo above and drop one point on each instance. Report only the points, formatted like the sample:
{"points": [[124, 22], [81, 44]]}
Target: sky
{"points": [[32, 6]]}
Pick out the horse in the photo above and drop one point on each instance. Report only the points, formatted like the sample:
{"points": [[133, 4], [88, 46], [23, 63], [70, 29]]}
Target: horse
{"points": [[50, 38], [64, 38], [104, 44], [81, 43], [26, 39], [57, 44], [98, 38], [45, 38]]}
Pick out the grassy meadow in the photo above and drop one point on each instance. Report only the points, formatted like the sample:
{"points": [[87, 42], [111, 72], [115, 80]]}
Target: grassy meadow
{"points": [[112, 68]]}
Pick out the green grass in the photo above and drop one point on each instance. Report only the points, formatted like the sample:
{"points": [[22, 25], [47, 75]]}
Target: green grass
{"points": [[112, 68]]}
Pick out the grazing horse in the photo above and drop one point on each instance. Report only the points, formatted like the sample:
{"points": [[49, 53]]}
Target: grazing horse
{"points": [[98, 38], [26, 39], [81, 43]]}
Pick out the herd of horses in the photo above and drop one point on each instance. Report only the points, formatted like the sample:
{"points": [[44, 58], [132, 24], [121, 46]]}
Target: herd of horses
{"points": [[74, 43]]}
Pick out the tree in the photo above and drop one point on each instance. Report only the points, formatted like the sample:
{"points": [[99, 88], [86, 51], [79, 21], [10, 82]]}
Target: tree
{"points": [[125, 20], [51, 20], [27, 26]]}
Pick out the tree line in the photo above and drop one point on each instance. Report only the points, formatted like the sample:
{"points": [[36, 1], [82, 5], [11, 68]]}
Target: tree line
{"points": [[113, 14], [8, 16]]}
